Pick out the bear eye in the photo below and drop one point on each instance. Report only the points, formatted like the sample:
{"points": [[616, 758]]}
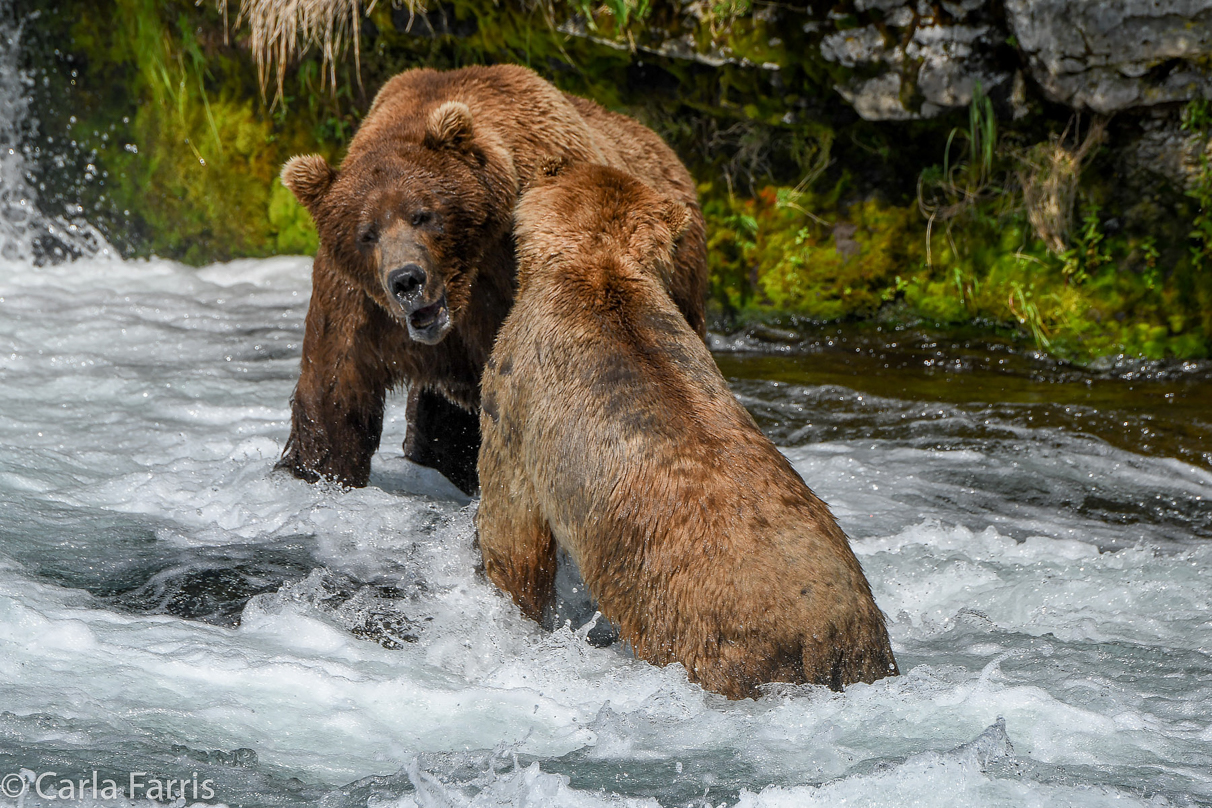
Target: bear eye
{"points": [[369, 236], [421, 217]]}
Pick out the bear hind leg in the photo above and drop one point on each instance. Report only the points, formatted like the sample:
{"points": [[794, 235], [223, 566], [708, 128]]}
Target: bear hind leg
{"points": [[443, 436], [864, 654], [516, 543]]}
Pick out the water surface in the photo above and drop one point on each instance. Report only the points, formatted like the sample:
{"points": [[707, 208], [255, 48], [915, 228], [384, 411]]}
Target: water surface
{"points": [[170, 604]]}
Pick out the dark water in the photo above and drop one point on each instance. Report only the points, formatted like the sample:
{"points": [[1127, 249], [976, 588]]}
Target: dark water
{"points": [[1012, 437], [911, 383]]}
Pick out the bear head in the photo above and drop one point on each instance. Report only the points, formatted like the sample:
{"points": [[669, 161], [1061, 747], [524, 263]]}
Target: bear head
{"points": [[412, 213], [568, 212]]}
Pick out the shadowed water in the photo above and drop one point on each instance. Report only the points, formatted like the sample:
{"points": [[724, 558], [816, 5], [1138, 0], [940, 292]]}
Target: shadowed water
{"points": [[999, 434]]}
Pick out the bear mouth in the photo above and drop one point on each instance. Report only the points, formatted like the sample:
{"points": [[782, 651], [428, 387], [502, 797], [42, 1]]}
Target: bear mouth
{"points": [[428, 324]]}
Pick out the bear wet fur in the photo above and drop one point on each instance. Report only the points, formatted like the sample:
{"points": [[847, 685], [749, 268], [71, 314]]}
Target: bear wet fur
{"points": [[416, 265], [609, 432]]}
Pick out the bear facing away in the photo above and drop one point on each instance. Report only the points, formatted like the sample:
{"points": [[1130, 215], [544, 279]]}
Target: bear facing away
{"points": [[609, 432], [415, 270]]}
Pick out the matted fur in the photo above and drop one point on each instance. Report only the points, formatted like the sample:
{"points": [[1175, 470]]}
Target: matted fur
{"points": [[460, 145], [609, 432]]}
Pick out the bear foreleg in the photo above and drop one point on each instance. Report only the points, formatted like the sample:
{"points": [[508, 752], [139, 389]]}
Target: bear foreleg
{"points": [[337, 407]]}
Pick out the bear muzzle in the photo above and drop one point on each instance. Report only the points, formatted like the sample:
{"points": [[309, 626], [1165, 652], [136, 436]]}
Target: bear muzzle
{"points": [[429, 324], [406, 283], [427, 319]]}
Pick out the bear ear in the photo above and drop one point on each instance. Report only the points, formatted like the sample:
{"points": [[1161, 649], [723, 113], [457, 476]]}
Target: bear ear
{"points": [[545, 169], [676, 216], [308, 177], [449, 126], [550, 166]]}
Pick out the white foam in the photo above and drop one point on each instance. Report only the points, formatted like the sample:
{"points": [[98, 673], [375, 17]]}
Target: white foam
{"points": [[22, 221], [143, 405]]}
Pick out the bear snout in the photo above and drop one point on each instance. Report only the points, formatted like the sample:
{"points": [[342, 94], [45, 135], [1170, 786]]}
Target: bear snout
{"points": [[420, 302], [406, 285]]}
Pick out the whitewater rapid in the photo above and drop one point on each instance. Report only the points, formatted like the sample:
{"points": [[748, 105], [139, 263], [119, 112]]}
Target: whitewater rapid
{"points": [[170, 604]]}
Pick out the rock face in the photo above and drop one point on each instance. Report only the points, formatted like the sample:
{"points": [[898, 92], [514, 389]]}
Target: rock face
{"points": [[932, 62], [1164, 149], [1117, 54], [1104, 57]]}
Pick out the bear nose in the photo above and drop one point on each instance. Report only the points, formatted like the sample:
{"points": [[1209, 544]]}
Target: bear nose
{"points": [[405, 282]]}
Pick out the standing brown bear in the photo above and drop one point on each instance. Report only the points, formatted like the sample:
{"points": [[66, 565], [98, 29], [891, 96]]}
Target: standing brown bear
{"points": [[416, 265], [609, 432]]}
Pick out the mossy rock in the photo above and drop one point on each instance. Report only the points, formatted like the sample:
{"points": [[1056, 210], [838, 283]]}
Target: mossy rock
{"points": [[159, 130]]}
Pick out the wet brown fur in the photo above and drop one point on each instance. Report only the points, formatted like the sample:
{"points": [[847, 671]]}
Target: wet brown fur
{"points": [[609, 431], [461, 143]]}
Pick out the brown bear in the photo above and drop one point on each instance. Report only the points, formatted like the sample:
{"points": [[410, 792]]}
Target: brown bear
{"points": [[608, 432], [416, 265]]}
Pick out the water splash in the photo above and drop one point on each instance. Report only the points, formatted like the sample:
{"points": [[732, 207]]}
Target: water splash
{"points": [[143, 405], [29, 234]]}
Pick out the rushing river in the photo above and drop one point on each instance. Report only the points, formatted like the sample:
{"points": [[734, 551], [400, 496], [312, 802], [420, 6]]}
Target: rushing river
{"points": [[172, 609], [168, 602]]}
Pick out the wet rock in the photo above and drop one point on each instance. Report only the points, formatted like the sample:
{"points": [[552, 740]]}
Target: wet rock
{"points": [[1163, 149], [1103, 57], [375, 612], [878, 99], [243, 757], [768, 333], [855, 47], [913, 59], [843, 239], [953, 59]]}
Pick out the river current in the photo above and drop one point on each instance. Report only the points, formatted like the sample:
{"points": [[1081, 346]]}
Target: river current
{"points": [[169, 604], [172, 609]]}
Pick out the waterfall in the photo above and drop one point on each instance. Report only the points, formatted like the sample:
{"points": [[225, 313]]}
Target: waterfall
{"points": [[28, 233]]}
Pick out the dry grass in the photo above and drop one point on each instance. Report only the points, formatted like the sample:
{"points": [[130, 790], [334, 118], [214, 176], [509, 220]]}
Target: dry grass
{"points": [[282, 30], [720, 14], [1049, 173]]}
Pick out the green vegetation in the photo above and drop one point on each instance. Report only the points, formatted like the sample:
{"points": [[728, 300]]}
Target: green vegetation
{"points": [[1197, 118], [169, 113], [813, 213]]}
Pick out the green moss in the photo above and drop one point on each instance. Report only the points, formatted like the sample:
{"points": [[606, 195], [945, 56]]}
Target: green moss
{"points": [[783, 253], [828, 273], [812, 213], [294, 231], [191, 152]]}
